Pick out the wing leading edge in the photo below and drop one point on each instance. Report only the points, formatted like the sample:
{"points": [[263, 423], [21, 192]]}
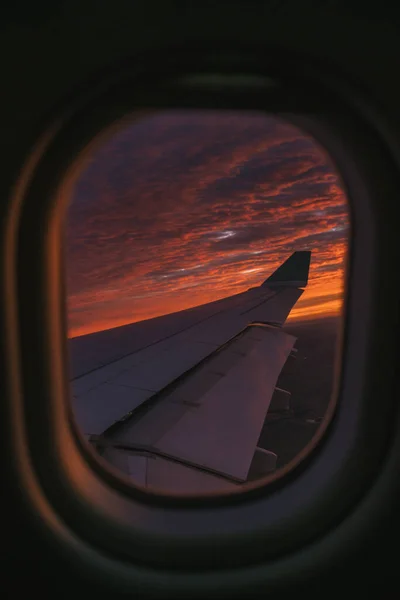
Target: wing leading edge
{"points": [[191, 392]]}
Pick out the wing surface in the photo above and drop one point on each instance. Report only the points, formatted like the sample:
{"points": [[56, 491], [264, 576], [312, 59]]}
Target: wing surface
{"points": [[118, 372], [212, 417]]}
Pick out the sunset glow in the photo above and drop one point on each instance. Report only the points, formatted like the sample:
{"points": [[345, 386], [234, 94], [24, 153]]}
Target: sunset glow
{"points": [[186, 207]]}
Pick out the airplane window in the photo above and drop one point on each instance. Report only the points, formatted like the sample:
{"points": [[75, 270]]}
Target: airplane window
{"points": [[205, 257]]}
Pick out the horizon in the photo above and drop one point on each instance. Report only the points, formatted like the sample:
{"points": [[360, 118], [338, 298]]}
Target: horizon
{"points": [[289, 321]]}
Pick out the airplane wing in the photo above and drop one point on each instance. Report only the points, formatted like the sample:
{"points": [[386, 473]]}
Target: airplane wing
{"points": [[182, 398]]}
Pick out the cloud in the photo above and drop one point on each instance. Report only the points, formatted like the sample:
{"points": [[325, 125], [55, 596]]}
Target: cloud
{"points": [[179, 208]]}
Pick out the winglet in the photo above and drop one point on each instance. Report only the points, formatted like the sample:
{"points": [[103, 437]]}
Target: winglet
{"points": [[293, 272]]}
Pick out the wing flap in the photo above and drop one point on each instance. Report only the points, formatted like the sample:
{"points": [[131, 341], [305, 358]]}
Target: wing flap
{"points": [[219, 427], [162, 474]]}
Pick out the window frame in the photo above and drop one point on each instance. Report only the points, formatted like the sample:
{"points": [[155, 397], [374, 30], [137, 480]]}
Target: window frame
{"points": [[131, 531]]}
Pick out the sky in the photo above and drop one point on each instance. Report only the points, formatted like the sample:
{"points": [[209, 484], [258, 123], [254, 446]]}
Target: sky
{"points": [[174, 209]]}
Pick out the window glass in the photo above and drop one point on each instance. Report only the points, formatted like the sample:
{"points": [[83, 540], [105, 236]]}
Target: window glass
{"points": [[191, 370]]}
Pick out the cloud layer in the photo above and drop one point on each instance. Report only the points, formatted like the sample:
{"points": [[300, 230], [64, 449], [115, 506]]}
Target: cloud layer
{"points": [[181, 208]]}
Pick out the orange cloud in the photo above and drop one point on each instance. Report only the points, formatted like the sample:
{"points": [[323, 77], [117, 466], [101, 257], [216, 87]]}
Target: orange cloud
{"points": [[183, 208]]}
